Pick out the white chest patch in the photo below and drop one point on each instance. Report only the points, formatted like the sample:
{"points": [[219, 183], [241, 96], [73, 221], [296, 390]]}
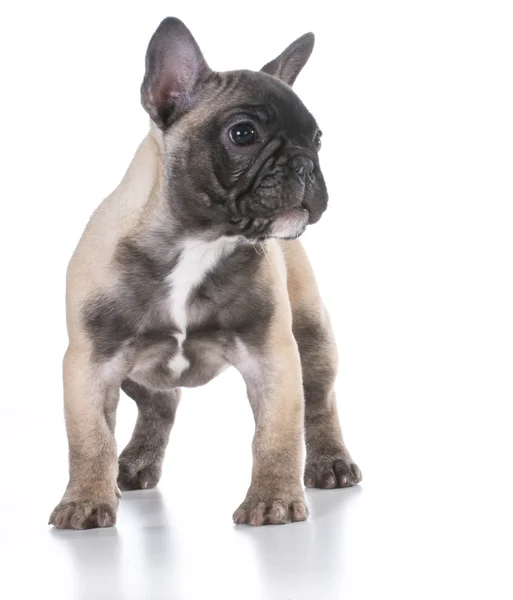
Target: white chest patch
{"points": [[196, 260]]}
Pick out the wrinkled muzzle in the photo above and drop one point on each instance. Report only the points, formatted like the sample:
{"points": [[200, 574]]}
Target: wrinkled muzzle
{"points": [[286, 195]]}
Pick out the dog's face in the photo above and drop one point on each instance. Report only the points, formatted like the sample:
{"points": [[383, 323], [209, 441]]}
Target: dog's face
{"points": [[241, 149]]}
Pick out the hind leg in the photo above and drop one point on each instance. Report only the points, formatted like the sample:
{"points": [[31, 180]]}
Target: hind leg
{"points": [[140, 463]]}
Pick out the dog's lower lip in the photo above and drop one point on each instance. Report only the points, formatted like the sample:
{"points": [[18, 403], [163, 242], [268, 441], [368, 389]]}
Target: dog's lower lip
{"points": [[296, 209], [296, 212]]}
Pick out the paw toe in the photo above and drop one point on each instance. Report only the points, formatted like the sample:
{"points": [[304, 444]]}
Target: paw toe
{"points": [[299, 511], [83, 514], [270, 512], [279, 513], [327, 472]]}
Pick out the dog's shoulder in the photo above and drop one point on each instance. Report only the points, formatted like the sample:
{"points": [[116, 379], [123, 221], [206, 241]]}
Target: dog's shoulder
{"points": [[120, 212], [91, 266]]}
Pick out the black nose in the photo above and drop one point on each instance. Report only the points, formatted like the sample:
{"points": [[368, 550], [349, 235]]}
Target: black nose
{"points": [[303, 166]]}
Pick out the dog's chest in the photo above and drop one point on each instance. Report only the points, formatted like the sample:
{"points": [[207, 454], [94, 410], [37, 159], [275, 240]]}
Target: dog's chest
{"points": [[196, 261], [189, 350]]}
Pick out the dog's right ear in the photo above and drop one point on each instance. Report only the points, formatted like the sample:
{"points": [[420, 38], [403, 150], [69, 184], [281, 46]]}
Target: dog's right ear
{"points": [[175, 68]]}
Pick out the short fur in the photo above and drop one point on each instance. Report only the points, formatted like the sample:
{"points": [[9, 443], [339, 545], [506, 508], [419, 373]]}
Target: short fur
{"points": [[180, 273]]}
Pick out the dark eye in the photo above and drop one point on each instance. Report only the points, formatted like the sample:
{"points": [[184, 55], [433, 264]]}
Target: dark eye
{"points": [[317, 140], [243, 134]]}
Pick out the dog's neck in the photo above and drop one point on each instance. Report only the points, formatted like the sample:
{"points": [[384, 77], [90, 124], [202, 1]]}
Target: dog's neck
{"points": [[151, 223]]}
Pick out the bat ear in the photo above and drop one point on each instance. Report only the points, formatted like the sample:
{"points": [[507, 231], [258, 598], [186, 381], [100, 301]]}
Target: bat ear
{"points": [[289, 63], [175, 68]]}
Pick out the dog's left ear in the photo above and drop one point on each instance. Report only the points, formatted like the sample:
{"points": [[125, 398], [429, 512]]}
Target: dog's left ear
{"points": [[175, 68], [288, 65]]}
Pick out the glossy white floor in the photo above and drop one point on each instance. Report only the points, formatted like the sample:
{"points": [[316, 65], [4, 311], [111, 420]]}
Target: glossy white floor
{"points": [[432, 518]]}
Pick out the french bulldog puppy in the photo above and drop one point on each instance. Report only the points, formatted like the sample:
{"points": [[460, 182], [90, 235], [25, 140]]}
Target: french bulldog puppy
{"points": [[192, 265]]}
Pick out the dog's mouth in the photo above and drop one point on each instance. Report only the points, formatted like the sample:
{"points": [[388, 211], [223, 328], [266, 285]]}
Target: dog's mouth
{"points": [[277, 205], [286, 223], [290, 223]]}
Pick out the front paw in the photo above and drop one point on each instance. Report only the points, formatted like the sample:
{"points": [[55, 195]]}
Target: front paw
{"points": [[329, 471], [271, 508], [84, 514]]}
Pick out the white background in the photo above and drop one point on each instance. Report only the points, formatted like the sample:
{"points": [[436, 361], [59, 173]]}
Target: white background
{"points": [[414, 260]]}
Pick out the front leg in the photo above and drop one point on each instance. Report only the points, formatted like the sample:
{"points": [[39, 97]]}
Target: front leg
{"points": [[328, 462], [91, 394], [273, 380]]}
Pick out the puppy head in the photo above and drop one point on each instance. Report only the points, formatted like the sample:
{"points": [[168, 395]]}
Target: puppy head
{"points": [[240, 148]]}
